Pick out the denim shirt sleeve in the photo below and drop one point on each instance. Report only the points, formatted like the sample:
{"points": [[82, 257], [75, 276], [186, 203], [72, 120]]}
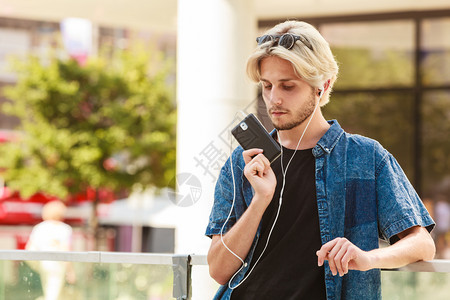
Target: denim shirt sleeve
{"points": [[224, 194], [399, 206], [223, 198]]}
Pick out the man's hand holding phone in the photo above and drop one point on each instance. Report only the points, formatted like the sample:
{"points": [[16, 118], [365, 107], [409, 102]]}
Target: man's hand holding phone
{"points": [[260, 175], [260, 150]]}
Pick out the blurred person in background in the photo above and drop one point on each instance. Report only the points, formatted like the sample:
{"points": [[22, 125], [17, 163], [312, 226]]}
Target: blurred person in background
{"points": [[442, 217], [52, 235]]}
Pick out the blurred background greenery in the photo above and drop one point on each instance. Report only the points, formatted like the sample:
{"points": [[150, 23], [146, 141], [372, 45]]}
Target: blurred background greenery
{"points": [[106, 124]]}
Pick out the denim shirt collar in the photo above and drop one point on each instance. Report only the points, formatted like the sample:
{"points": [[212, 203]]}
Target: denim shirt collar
{"points": [[329, 139]]}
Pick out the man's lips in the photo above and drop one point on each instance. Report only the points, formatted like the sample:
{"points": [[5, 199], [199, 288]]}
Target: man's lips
{"points": [[277, 113]]}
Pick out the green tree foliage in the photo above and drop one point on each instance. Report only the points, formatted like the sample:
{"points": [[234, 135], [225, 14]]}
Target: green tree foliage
{"points": [[109, 124]]}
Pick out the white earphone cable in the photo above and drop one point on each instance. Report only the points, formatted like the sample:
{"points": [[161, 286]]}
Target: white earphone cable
{"points": [[284, 172]]}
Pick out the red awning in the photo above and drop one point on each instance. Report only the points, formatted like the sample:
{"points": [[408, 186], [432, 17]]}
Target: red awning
{"points": [[15, 210]]}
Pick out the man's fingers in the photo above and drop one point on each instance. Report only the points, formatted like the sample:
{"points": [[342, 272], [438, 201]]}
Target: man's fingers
{"points": [[337, 254], [349, 255], [257, 168], [264, 160], [323, 252], [250, 153], [259, 165], [337, 257], [334, 256], [343, 255]]}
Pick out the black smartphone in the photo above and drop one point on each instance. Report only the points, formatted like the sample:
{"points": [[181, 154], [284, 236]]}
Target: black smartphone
{"points": [[250, 133]]}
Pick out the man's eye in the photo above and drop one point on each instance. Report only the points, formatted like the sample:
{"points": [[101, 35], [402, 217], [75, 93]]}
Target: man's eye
{"points": [[267, 87], [288, 87]]}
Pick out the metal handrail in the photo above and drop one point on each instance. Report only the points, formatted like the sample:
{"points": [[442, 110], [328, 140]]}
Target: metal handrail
{"points": [[89, 256], [436, 265]]}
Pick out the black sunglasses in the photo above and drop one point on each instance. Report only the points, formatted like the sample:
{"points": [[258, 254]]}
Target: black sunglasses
{"points": [[286, 40]]}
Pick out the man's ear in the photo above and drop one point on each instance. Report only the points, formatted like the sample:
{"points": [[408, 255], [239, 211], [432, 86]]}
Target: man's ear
{"points": [[326, 85]]}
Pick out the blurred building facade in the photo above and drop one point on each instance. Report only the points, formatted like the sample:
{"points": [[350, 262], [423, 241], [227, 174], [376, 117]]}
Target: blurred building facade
{"points": [[394, 82]]}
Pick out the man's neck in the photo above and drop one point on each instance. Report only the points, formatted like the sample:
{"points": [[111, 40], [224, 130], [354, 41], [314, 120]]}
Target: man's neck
{"points": [[316, 129]]}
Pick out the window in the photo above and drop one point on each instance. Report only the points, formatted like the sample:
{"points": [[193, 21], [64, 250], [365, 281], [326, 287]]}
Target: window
{"points": [[435, 139], [372, 54], [435, 50]]}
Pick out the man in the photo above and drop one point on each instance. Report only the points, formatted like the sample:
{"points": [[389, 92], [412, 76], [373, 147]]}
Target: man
{"points": [[307, 226]]}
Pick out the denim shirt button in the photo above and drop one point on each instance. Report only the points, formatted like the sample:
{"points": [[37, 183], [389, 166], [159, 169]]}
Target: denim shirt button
{"points": [[245, 265], [322, 205]]}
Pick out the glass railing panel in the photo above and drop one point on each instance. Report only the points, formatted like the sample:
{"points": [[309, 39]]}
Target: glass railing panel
{"points": [[203, 286], [398, 285], [123, 276], [23, 280]]}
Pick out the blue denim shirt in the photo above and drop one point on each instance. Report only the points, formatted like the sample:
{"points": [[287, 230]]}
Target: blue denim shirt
{"points": [[362, 194]]}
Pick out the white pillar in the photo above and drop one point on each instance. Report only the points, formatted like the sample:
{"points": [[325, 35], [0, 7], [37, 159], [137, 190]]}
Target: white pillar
{"points": [[215, 37]]}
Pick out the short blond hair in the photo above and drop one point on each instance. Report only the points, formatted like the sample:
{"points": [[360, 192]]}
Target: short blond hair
{"points": [[315, 66], [54, 210]]}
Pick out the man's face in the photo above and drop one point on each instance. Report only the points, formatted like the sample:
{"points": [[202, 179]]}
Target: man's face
{"points": [[289, 99]]}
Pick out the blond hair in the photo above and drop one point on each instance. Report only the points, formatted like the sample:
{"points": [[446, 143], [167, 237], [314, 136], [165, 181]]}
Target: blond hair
{"points": [[315, 66], [54, 210]]}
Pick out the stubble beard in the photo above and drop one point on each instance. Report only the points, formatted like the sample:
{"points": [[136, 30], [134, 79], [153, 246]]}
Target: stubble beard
{"points": [[299, 116]]}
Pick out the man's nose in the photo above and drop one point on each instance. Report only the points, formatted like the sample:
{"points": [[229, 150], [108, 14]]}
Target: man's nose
{"points": [[275, 97]]}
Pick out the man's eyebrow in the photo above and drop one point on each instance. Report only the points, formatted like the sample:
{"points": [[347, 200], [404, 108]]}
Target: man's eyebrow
{"points": [[282, 80]]}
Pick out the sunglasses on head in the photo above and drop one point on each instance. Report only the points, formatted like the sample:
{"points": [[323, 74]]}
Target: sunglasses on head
{"points": [[286, 40]]}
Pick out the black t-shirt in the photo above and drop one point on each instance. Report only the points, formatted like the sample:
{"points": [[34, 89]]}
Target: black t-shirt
{"points": [[288, 268]]}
